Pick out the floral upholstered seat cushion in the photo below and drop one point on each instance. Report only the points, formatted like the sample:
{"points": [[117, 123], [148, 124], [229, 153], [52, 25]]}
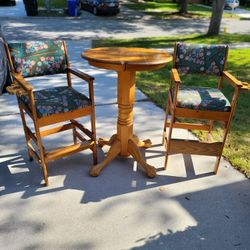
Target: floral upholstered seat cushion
{"points": [[205, 59], [56, 100], [37, 58], [202, 98]]}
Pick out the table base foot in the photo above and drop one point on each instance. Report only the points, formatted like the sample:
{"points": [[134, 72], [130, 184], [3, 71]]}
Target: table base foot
{"points": [[133, 149], [142, 144], [102, 142], [112, 153]]}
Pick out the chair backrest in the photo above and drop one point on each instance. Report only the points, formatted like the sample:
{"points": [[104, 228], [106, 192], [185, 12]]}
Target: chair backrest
{"points": [[202, 59], [37, 58]]}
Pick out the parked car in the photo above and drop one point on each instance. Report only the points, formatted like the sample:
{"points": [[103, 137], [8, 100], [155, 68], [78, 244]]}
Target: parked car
{"points": [[101, 6], [7, 2], [232, 4]]}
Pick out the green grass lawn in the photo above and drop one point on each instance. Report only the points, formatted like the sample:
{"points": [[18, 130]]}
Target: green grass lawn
{"points": [[163, 42], [165, 9], [57, 8], [245, 7], [155, 85], [60, 4]]}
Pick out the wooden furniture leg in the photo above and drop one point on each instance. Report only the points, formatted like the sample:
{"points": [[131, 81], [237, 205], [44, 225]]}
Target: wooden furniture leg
{"points": [[42, 155], [165, 123], [134, 150], [102, 141], [25, 131], [142, 144], [125, 143], [112, 153], [167, 145]]}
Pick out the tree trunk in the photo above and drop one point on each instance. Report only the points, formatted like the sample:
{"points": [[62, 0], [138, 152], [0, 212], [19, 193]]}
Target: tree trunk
{"points": [[183, 6], [217, 11]]}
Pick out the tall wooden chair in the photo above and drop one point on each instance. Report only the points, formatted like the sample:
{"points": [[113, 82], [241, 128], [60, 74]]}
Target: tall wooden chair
{"points": [[199, 103], [52, 105]]}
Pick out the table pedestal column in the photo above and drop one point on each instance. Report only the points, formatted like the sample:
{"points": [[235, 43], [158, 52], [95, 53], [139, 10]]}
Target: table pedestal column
{"points": [[125, 143]]}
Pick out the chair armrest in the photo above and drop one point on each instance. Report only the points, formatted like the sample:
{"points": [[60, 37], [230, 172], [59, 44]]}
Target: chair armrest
{"points": [[20, 85], [81, 75], [176, 78], [245, 86], [231, 79], [175, 75], [89, 79], [24, 84]]}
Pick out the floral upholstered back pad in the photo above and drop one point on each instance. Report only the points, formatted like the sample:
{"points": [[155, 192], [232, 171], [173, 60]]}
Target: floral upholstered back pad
{"points": [[204, 59], [37, 58]]}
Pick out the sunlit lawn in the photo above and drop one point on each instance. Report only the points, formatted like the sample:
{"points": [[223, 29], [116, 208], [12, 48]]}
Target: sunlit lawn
{"points": [[57, 8], [155, 85], [168, 9], [55, 3], [163, 42]]}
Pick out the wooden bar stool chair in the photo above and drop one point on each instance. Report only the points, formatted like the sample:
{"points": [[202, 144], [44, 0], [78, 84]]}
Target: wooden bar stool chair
{"points": [[52, 105], [199, 103]]}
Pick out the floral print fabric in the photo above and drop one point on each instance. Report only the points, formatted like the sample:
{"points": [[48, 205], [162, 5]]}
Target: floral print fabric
{"points": [[37, 58], [202, 98], [56, 100], [206, 59]]}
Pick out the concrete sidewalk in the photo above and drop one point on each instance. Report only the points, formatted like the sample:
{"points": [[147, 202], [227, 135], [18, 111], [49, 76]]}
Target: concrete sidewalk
{"points": [[185, 207]]}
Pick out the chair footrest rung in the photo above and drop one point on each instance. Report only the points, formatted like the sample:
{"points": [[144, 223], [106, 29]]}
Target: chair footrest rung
{"points": [[195, 147], [83, 129], [56, 129], [191, 126], [71, 149]]}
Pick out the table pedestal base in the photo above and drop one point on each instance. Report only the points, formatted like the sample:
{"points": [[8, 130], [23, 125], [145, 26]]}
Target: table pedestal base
{"points": [[133, 149]]}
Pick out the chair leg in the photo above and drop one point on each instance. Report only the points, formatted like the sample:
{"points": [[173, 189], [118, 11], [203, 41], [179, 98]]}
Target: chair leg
{"points": [[45, 172], [209, 135], [95, 154], [169, 141], [40, 147], [216, 165], [74, 135], [43, 161], [166, 160], [42, 154], [165, 122], [226, 130], [93, 128], [25, 132]]}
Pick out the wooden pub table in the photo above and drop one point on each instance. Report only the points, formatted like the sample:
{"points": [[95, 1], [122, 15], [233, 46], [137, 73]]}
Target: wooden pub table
{"points": [[126, 61]]}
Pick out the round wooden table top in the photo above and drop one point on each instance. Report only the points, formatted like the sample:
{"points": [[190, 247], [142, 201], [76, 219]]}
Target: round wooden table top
{"points": [[121, 58]]}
